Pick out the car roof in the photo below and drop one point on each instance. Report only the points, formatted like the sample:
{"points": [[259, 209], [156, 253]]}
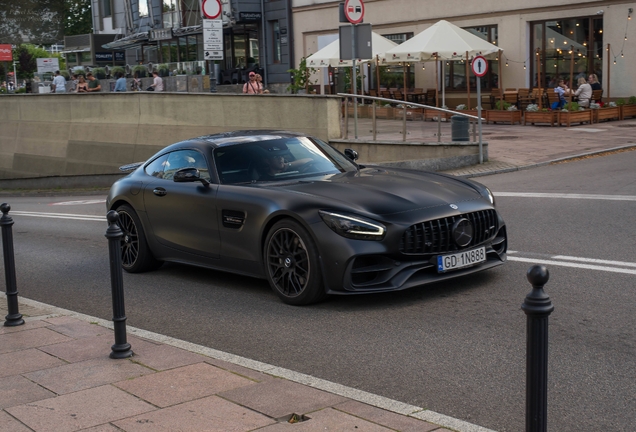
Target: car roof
{"points": [[242, 136]]}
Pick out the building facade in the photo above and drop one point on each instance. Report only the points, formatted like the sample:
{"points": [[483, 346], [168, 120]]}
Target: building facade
{"points": [[584, 35], [257, 35]]}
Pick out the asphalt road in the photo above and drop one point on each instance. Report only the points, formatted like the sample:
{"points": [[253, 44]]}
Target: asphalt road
{"points": [[457, 348]]}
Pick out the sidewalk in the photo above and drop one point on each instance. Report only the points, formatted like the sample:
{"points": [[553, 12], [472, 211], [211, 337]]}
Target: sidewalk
{"points": [[57, 376], [514, 147]]}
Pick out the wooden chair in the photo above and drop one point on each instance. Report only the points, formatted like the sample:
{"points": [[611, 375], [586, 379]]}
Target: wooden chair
{"points": [[525, 98], [429, 99], [373, 92], [397, 94], [597, 95], [385, 94], [512, 97], [512, 89], [495, 95], [552, 97]]}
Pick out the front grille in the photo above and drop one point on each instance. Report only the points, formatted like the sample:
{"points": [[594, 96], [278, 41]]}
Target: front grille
{"points": [[433, 237]]}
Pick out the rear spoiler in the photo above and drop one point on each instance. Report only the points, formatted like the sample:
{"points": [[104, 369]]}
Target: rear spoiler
{"points": [[131, 167]]}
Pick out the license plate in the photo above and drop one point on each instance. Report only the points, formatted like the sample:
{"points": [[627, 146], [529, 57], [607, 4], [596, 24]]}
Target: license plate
{"points": [[460, 260]]}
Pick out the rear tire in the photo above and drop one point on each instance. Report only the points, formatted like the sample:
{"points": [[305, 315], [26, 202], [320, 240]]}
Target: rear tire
{"points": [[291, 264], [135, 253]]}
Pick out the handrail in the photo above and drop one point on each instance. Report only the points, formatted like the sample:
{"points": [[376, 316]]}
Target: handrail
{"points": [[410, 104]]}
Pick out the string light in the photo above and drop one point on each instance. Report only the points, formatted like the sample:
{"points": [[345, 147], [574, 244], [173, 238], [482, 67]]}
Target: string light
{"points": [[506, 63], [423, 67], [524, 65]]}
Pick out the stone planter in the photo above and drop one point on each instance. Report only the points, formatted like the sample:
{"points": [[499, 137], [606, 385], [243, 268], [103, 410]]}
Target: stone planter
{"points": [[533, 117], [609, 113], [568, 117], [628, 111], [502, 116]]}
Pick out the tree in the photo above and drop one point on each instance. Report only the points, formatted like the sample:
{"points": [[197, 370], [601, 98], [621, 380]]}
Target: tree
{"points": [[77, 17], [27, 55], [31, 21]]}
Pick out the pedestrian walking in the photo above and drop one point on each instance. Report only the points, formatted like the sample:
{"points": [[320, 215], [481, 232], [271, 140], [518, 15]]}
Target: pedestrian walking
{"points": [[93, 83], [59, 83], [120, 84]]}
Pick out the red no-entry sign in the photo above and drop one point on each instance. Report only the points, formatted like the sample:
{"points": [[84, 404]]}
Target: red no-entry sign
{"points": [[354, 11], [211, 8]]}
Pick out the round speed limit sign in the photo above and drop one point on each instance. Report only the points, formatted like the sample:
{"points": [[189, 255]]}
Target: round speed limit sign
{"points": [[479, 66]]}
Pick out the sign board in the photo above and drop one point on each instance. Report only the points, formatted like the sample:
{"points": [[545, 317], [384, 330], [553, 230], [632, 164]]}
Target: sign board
{"points": [[211, 9], [354, 11], [362, 35], [48, 65], [213, 39], [479, 66], [247, 17], [160, 34], [6, 53]]}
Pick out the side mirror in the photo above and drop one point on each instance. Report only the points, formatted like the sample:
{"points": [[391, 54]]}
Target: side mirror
{"points": [[351, 154], [189, 175]]}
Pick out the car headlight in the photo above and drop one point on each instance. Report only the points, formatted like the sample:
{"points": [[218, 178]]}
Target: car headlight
{"points": [[354, 227], [490, 196]]}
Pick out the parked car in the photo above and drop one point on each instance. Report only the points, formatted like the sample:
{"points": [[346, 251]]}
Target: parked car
{"points": [[293, 210]]}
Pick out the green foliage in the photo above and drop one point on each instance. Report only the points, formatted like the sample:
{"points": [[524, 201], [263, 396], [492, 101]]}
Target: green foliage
{"points": [[140, 71], [301, 76], [116, 70], [620, 102], [65, 75], [347, 80], [21, 90], [99, 72], [632, 100], [506, 105], [571, 106], [77, 17], [164, 70]]}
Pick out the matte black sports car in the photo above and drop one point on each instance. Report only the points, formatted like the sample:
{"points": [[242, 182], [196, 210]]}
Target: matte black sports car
{"points": [[293, 210]]}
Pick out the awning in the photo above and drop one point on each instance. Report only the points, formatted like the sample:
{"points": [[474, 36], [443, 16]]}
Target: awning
{"points": [[127, 42], [183, 31]]}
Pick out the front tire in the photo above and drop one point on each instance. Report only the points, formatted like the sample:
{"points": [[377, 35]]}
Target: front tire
{"points": [[135, 253], [292, 265]]}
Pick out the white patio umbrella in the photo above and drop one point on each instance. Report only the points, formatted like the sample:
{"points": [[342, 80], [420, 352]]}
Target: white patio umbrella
{"points": [[330, 55], [442, 41]]}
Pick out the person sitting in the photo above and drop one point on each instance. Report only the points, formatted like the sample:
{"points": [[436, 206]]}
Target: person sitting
{"points": [[584, 93], [82, 85], [593, 80], [562, 91]]}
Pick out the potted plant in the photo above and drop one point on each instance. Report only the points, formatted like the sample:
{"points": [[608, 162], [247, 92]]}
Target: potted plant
{"points": [[503, 113], [535, 115], [572, 113], [163, 70], [432, 114], [464, 109], [140, 71], [300, 78], [611, 111], [628, 108], [99, 72]]}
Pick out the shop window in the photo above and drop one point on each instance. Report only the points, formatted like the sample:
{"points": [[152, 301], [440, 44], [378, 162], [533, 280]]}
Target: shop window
{"points": [[455, 70], [575, 43], [86, 57], [71, 58], [143, 8], [398, 38], [170, 14], [277, 57], [107, 9]]}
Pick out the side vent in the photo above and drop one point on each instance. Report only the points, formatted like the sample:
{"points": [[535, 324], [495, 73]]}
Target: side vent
{"points": [[233, 218]]}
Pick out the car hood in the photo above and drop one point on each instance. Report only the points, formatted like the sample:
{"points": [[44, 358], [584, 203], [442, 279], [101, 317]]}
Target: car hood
{"points": [[385, 192]]}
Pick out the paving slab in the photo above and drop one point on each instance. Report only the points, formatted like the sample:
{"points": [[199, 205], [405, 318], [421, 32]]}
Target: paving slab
{"points": [[328, 419], [29, 360], [17, 390], [33, 338], [79, 410], [10, 424], [76, 329], [87, 374], [163, 357], [183, 384], [28, 325], [278, 398], [210, 414]]}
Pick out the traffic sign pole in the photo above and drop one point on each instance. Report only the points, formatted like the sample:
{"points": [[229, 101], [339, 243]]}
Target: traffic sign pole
{"points": [[479, 66], [354, 79]]}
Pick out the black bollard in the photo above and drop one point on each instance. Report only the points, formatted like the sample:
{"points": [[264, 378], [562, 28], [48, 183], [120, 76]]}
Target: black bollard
{"points": [[14, 318], [538, 308], [121, 349]]}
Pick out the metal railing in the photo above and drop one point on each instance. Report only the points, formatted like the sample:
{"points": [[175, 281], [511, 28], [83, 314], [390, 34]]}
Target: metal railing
{"points": [[474, 120]]}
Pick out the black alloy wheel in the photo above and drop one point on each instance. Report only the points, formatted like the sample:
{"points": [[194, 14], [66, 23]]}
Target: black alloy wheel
{"points": [[135, 254], [292, 264]]}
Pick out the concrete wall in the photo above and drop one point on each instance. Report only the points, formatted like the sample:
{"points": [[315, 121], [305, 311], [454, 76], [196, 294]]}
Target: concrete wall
{"points": [[87, 134]]}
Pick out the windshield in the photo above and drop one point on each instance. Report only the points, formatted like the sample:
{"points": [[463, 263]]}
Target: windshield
{"points": [[279, 159]]}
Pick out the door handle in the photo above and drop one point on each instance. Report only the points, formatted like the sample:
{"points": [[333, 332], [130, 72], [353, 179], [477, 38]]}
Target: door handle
{"points": [[159, 191]]}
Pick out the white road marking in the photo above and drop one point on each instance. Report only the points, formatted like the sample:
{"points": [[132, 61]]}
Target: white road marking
{"points": [[587, 260], [59, 216], [566, 196], [571, 264], [82, 202]]}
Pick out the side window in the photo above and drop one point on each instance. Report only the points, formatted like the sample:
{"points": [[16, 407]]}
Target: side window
{"points": [[186, 159], [156, 167]]}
